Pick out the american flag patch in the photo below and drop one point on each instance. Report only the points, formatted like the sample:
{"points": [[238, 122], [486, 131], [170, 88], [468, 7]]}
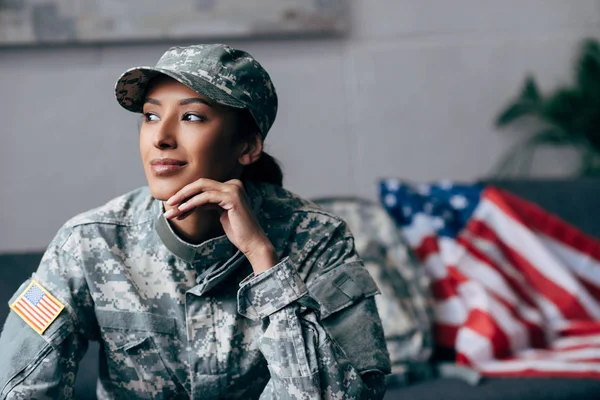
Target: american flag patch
{"points": [[37, 307]]}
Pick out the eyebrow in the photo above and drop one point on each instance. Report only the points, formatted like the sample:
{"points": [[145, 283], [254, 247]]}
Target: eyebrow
{"points": [[183, 102]]}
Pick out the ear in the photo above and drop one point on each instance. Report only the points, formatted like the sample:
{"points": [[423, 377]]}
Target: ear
{"points": [[251, 150]]}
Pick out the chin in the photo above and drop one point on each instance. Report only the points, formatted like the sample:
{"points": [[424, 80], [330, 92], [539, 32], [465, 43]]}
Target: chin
{"points": [[162, 190]]}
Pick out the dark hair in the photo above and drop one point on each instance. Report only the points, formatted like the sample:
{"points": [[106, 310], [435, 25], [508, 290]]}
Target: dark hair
{"points": [[266, 168]]}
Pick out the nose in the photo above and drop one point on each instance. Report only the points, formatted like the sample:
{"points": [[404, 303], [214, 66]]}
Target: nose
{"points": [[165, 136]]}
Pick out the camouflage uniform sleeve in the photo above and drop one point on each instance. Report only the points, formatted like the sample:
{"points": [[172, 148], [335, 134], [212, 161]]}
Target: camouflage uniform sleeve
{"points": [[324, 337], [43, 366]]}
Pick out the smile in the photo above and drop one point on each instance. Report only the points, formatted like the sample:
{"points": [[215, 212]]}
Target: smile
{"points": [[166, 166]]}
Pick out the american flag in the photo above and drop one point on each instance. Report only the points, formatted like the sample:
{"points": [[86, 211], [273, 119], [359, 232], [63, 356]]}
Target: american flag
{"points": [[516, 289], [37, 307]]}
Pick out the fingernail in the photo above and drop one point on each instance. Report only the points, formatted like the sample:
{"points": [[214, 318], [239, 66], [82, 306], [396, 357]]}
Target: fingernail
{"points": [[169, 213], [183, 206], [170, 201]]}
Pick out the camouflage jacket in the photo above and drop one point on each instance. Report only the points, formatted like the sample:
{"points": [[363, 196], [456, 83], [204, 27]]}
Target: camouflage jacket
{"points": [[405, 304], [176, 320]]}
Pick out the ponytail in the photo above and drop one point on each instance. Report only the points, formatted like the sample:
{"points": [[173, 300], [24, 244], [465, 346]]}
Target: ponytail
{"points": [[266, 169]]}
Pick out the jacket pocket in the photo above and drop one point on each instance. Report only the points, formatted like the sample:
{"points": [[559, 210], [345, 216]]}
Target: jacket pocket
{"points": [[141, 354], [341, 288], [348, 312]]}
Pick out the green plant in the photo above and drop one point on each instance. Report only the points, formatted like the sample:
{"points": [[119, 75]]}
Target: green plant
{"points": [[567, 117]]}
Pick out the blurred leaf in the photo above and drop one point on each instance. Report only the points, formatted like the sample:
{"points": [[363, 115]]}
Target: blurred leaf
{"points": [[561, 109], [527, 104], [569, 116], [530, 91], [588, 68], [513, 112]]}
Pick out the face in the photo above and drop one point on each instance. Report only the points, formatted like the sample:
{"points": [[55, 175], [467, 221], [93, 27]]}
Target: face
{"points": [[185, 136]]}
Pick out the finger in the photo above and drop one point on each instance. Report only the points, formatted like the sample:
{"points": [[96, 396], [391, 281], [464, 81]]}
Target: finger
{"points": [[172, 213], [235, 182], [176, 213], [204, 198], [183, 215], [193, 188]]}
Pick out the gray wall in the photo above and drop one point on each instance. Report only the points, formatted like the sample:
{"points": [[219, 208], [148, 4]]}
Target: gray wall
{"points": [[412, 92]]}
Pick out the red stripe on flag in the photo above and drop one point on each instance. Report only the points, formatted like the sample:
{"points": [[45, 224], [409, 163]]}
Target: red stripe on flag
{"points": [[537, 337], [28, 317], [577, 347], [34, 313], [533, 373], [534, 217], [456, 275], [427, 247], [483, 323], [462, 359], [590, 287], [46, 312], [444, 288], [567, 303], [51, 307], [445, 335], [536, 334], [581, 328], [480, 230], [50, 303]]}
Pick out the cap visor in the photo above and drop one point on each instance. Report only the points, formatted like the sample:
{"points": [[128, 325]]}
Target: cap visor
{"points": [[132, 85]]}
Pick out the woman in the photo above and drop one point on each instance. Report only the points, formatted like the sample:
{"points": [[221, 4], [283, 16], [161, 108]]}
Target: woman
{"points": [[212, 282]]}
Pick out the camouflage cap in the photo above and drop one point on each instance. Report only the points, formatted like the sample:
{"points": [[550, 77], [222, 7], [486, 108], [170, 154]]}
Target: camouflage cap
{"points": [[223, 74]]}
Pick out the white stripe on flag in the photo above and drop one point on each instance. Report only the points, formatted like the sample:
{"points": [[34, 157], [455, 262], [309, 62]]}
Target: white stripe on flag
{"points": [[418, 230], [47, 304], [493, 252], [553, 317], [581, 264], [538, 365], [450, 251], [516, 332], [44, 311], [476, 347], [450, 311], [525, 243], [562, 343], [567, 355], [35, 321], [435, 267], [50, 304], [481, 272], [530, 315], [32, 309]]}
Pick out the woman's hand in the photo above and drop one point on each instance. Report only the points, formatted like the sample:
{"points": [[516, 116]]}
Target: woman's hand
{"points": [[238, 220]]}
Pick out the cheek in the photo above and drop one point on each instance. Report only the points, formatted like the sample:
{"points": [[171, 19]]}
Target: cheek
{"points": [[213, 145], [145, 142], [215, 159]]}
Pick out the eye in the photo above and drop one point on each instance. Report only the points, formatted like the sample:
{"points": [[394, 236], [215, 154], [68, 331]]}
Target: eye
{"points": [[149, 117], [193, 117]]}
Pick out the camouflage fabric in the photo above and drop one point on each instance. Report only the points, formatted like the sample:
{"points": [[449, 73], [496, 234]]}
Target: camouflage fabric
{"points": [[227, 76], [177, 320], [405, 305]]}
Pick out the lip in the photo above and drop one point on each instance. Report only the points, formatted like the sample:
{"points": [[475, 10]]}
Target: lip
{"points": [[166, 166]]}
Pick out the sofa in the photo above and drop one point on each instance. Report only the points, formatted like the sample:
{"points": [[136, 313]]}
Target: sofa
{"points": [[576, 201]]}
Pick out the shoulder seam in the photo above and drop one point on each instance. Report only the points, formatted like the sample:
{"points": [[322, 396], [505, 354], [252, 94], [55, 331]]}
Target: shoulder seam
{"points": [[109, 222], [68, 306], [305, 211]]}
